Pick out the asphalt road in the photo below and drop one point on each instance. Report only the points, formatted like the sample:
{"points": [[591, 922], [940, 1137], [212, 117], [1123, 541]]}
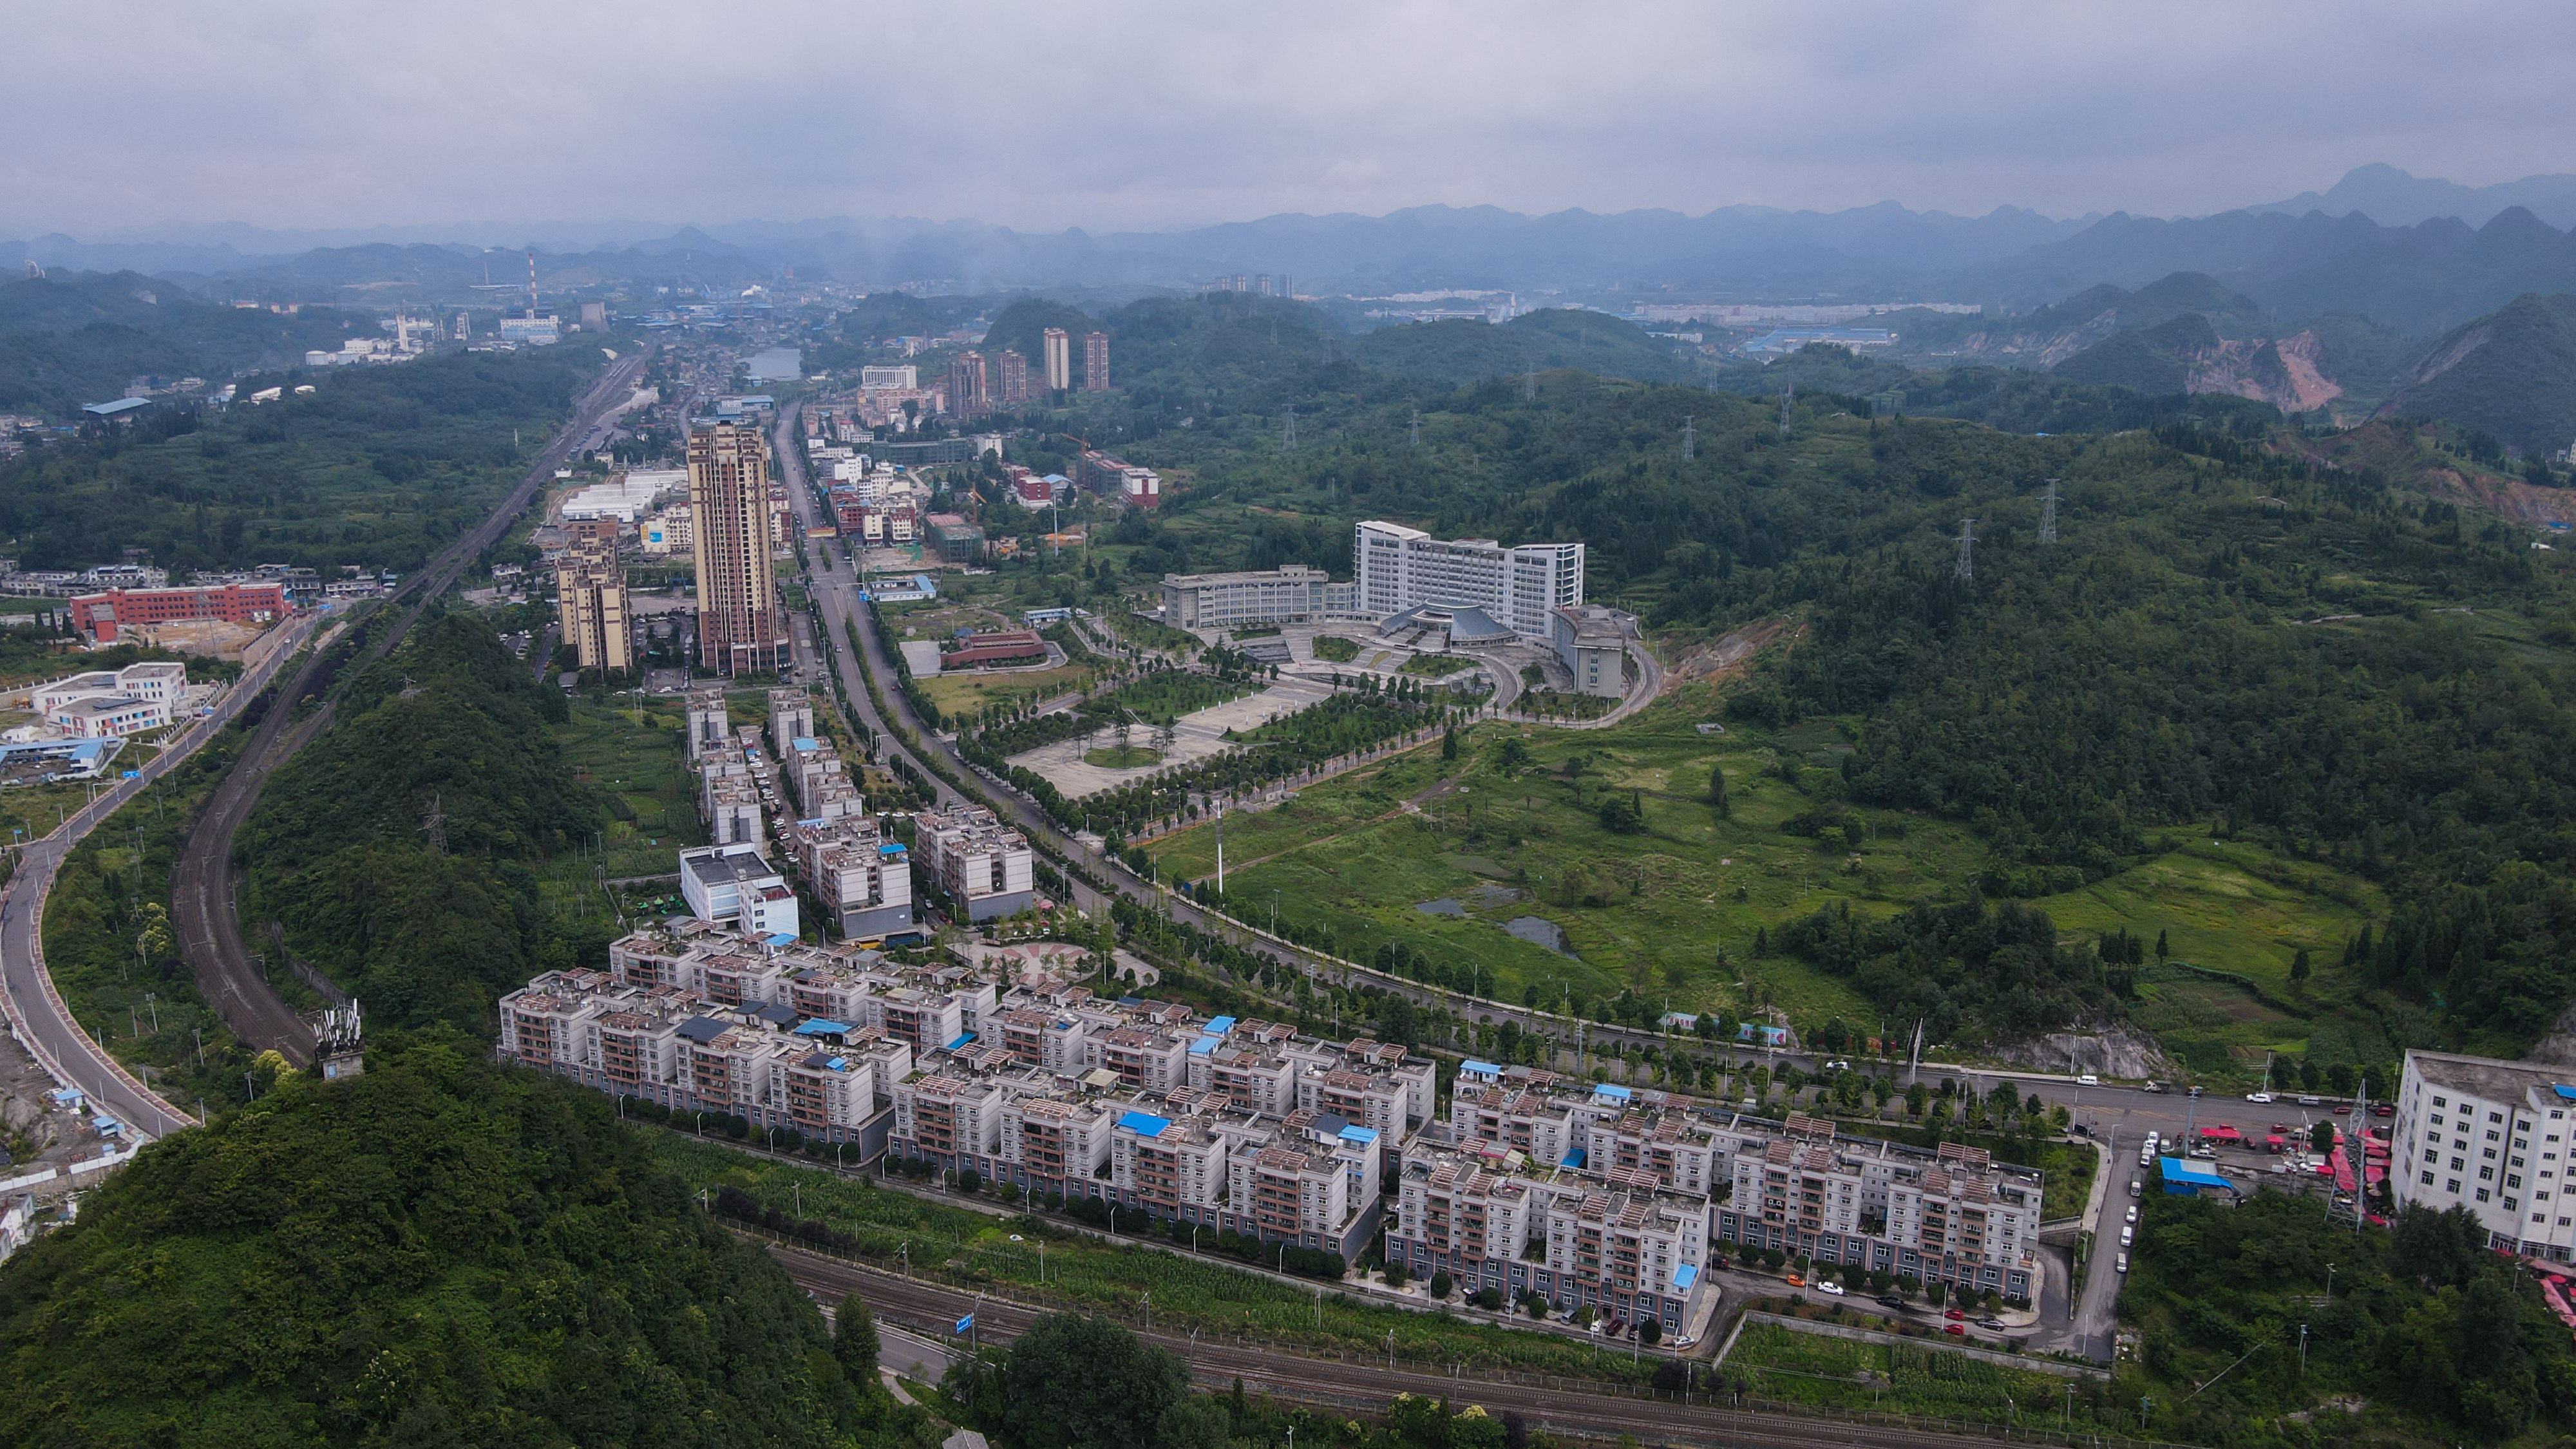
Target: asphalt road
{"points": [[38, 1017], [203, 880], [932, 1311]]}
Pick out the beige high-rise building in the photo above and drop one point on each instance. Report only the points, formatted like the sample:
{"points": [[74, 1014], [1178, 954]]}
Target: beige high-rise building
{"points": [[590, 595], [1059, 360], [738, 626]]}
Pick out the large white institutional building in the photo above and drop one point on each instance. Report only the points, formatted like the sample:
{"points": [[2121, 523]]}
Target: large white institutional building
{"points": [[2495, 1137], [1400, 568]]}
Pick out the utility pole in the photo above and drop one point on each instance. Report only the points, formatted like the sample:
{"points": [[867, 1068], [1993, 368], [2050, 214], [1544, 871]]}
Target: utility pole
{"points": [[1786, 398], [1687, 451], [1529, 392], [1966, 572], [2048, 514], [1413, 434]]}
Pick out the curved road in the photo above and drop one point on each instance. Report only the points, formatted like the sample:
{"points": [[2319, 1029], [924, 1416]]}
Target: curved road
{"points": [[203, 882], [1217, 1363], [37, 1016]]}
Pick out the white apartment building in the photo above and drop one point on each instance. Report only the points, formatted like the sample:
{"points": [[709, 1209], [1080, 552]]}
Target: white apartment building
{"points": [[1399, 568], [732, 884], [2491, 1136], [983, 865], [862, 879]]}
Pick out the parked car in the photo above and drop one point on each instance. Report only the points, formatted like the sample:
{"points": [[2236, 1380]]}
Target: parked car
{"points": [[2128, 1235], [1687, 1340], [2088, 1080], [2258, 1096], [2343, 1109], [1960, 1329], [2196, 1091], [2136, 1187], [2384, 1109], [1797, 1281], [1955, 1315], [1991, 1325], [2152, 1087], [2133, 1214], [1890, 1300], [2122, 1265], [2311, 1101], [1830, 1290]]}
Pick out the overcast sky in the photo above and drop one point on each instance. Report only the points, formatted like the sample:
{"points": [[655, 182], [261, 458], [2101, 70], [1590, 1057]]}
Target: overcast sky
{"points": [[1140, 115]]}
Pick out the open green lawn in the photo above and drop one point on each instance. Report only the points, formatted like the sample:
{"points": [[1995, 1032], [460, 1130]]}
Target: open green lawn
{"points": [[965, 693], [1813, 1368], [1486, 843], [644, 765], [1121, 757]]}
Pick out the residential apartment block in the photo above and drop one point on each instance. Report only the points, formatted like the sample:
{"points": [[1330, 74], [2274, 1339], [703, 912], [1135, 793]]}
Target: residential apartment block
{"points": [[590, 596], [1623, 1168], [732, 537], [2495, 1137], [982, 865]]}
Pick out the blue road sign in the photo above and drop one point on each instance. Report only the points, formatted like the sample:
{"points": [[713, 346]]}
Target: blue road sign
{"points": [[966, 1323]]}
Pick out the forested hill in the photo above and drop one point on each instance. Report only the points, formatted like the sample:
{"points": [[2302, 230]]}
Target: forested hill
{"points": [[426, 924], [83, 336], [379, 466], [438, 1252], [2224, 638]]}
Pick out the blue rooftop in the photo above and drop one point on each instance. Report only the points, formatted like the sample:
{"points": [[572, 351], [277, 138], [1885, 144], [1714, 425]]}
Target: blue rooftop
{"points": [[2182, 1173], [1573, 1159], [1359, 1134], [1684, 1276], [1605, 1089], [963, 1037], [783, 938], [2565, 1091], [1144, 1124], [1218, 1025], [1204, 1046], [891, 847], [823, 1026], [806, 742], [1487, 1069]]}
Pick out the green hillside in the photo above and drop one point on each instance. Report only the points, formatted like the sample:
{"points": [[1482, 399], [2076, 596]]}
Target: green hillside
{"points": [[439, 1252], [82, 337], [378, 466], [2152, 360], [2510, 374]]}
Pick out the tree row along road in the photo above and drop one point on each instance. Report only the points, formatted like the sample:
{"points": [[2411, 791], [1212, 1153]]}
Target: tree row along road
{"points": [[1216, 1363], [204, 904]]}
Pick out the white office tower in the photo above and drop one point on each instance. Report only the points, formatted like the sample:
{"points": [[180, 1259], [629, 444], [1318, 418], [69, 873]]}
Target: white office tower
{"points": [[1401, 568]]}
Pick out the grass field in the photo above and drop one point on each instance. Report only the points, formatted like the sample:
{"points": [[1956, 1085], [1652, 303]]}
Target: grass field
{"points": [[1334, 649], [1121, 757], [1813, 1368], [1671, 909], [966, 693]]}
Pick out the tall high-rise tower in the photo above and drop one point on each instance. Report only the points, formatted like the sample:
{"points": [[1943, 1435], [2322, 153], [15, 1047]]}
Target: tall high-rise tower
{"points": [[970, 393], [590, 593], [1059, 360], [1014, 381], [1095, 362], [738, 631]]}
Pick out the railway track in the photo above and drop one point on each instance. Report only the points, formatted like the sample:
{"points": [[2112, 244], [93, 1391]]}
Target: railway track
{"points": [[203, 882], [1576, 1407]]}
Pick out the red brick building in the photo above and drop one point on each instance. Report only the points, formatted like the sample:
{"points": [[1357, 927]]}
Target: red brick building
{"points": [[100, 616]]}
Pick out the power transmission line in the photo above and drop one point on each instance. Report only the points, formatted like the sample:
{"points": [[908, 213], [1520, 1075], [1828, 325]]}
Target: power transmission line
{"points": [[1787, 398], [1292, 427], [1966, 572], [1687, 451], [2048, 514], [1529, 393], [1414, 433]]}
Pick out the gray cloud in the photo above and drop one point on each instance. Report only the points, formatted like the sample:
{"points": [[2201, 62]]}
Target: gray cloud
{"points": [[1118, 115]]}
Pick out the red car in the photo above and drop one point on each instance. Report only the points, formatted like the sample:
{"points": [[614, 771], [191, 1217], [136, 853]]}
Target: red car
{"points": [[1960, 1329], [1954, 1315]]}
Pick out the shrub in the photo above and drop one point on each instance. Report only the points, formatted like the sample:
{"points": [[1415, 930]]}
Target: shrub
{"points": [[1396, 1275], [1441, 1284]]}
